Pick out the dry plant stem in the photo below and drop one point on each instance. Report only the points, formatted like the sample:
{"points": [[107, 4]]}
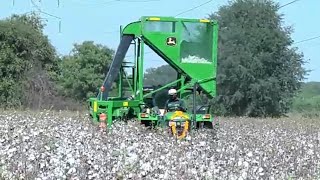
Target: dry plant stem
{"points": [[65, 145]]}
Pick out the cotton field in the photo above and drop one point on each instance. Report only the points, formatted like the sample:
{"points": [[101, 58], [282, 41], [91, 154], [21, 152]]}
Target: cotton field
{"points": [[66, 145]]}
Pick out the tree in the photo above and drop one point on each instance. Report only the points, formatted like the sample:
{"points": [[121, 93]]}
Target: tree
{"points": [[83, 72], [27, 60], [308, 100], [160, 75], [259, 72]]}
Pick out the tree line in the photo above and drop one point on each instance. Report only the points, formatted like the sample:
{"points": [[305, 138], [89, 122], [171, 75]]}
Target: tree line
{"points": [[259, 72]]}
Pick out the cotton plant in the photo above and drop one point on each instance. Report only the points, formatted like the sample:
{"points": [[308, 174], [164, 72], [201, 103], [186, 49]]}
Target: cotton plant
{"points": [[64, 145]]}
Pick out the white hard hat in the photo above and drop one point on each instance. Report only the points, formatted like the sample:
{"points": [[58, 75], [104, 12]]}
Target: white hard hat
{"points": [[172, 92]]}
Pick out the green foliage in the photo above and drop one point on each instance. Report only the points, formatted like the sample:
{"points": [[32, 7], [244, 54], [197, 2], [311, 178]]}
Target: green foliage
{"points": [[258, 72], [307, 101], [83, 72], [309, 90], [24, 53], [160, 75]]}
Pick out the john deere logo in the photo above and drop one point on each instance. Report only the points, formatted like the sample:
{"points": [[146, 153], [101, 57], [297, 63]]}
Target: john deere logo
{"points": [[171, 41]]}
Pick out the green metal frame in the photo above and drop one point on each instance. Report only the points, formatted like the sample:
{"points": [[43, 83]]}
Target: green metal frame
{"points": [[189, 74]]}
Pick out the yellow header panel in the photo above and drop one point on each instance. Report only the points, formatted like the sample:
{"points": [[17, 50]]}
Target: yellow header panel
{"points": [[204, 20], [154, 19]]}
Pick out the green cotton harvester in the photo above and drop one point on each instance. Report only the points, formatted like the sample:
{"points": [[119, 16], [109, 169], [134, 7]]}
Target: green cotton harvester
{"points": [[189, 46]]}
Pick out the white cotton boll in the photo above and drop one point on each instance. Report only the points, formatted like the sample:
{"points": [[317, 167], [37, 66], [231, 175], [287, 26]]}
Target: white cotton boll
{"points": [[194, 59], [70, 147]]}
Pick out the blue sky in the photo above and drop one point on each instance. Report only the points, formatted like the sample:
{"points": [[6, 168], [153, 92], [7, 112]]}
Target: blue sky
{"points": [[99, 20]]}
